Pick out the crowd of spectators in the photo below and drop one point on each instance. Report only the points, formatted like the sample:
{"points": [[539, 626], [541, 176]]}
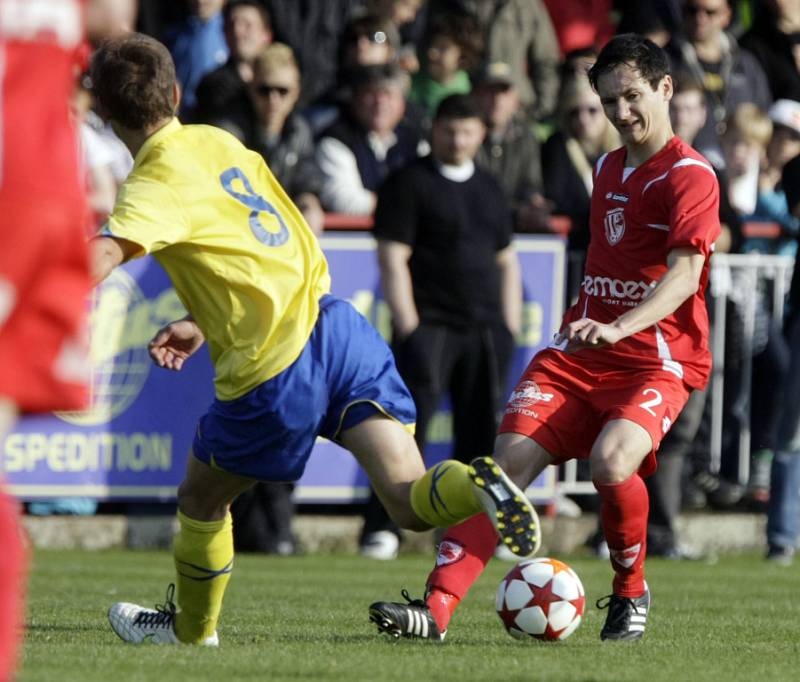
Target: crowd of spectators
{"points": [[340, 95]]}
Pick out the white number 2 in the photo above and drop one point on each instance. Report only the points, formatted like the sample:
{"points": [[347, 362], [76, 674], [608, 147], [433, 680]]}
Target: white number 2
{"points": [[647, 404]]}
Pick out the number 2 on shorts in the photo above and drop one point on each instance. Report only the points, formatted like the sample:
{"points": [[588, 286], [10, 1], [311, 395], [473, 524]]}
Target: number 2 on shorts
{"points": [[649, 404]]}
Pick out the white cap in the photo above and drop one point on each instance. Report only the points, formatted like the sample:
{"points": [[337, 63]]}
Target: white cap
{"points": [[786, 112]]}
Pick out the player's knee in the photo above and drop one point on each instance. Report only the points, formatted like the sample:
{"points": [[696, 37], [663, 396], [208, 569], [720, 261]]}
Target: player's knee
{"points": [[200, 505], [610, 464]]}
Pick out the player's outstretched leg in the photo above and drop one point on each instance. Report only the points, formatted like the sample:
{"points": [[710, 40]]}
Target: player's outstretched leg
{"points": [[507, 507], [451, 492], [137, 624]]}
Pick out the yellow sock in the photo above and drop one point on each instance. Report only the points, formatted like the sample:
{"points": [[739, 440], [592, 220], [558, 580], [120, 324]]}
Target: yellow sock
{"points": [[444, 495], [203, 559]]}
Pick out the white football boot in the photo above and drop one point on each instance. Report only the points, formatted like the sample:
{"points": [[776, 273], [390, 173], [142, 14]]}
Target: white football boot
{"points": [[136, 624]]}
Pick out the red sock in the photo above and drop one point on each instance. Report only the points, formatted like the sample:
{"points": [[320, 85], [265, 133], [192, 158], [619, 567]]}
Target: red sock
{"points": [[12, 567], [463, 554], [623, 511]]}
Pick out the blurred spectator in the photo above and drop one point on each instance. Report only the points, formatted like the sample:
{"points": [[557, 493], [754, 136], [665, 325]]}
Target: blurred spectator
{"points": [[751, 327], [519, 33], [281, 135], [198, 46], [410, 17], [368, 40], [451, 279], [368, 140], [771, 203], [583, 134], [451, 49], [744, 147], [577, 63], [222, 94], [581, 23], [313, 29], [783, 512], [775, 41], [658, 20], [510, 150], [689, 114], [729, 75]]}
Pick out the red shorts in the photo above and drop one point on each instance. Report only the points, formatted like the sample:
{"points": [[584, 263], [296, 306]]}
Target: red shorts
{"points": [[44, 283], [562, 404]]}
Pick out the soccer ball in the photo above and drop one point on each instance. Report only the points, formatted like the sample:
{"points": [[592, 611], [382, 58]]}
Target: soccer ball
{"points": [[541, 598]]}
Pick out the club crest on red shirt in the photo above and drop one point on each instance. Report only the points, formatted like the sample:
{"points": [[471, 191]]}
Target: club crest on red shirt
{"points": [[615, 225]]}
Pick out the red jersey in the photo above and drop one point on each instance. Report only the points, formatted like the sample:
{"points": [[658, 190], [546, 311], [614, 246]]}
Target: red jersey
{"points": [[39, 40], [637, 217]]}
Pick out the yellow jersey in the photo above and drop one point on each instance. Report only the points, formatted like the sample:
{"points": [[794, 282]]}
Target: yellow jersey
{"points": [[238, 251]]}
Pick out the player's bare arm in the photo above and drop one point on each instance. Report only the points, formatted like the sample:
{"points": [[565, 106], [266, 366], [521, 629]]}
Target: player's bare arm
{"points": [[396, 284], [510, 288], [174, 344], [106, 253], [679, 283]]}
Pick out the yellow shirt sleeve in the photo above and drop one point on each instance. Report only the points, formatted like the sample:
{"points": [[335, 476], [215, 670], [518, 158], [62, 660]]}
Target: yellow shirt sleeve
{"points": [[148, 213]]}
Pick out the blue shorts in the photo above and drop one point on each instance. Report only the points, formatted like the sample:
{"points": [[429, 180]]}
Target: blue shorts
{"points": [[345, 374]]}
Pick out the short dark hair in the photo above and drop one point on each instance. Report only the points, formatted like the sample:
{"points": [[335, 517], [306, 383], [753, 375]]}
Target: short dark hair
{"points": [[456, 107], [231, 5], [133, 77], [461, 28], [637, 52], [685, 81], [375, 75]]}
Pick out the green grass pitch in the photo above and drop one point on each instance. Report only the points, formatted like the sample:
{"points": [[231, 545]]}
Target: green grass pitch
{"points": [[305, 618]]}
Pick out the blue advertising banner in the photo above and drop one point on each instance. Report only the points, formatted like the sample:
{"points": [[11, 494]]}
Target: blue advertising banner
{"points": [[133, 441]]}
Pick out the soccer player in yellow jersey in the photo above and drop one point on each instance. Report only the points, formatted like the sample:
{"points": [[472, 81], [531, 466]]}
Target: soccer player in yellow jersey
{"points": [[291, 361]]}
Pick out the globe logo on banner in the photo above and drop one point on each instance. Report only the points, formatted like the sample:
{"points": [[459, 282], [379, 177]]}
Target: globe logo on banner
{"points": [[120, 328]]}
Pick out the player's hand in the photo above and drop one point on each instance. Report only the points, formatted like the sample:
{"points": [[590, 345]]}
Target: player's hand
{"points": [[173, 344], [588, 333]]}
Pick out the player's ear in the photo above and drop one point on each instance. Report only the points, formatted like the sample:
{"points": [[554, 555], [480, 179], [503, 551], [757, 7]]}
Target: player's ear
{"points": [[667, 87], [176, 96]]}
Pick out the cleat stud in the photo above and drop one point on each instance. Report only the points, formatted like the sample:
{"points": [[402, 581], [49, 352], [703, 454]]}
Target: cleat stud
{"points": [[501, 526], [517, 498], [515, 518], [526, 509], [499, 514], [507, 540], [471, 470], [479, 482], [515, 549], [519, 531]]}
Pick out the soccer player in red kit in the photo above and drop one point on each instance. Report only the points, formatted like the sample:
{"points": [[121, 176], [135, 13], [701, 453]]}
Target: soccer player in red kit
{"points": [[44, 266], [627, 356]]}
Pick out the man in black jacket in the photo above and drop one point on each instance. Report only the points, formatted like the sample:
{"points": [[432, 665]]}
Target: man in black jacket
{"points": [[451, 279]]}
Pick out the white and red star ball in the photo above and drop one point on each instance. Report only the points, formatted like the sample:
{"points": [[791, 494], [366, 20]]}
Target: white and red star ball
{"points": [[541, 598]]}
